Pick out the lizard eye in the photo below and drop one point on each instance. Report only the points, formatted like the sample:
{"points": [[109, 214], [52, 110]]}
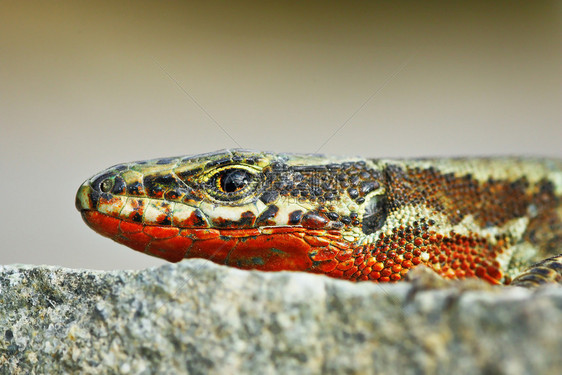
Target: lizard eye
{"points": [[233, 180], [231, 184]]}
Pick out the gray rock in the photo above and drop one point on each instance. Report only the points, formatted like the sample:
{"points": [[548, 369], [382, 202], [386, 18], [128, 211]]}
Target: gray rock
{"points": [[196, 317]]}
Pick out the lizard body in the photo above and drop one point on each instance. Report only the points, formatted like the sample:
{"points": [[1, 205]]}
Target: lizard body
{"points": [[351, 218]]}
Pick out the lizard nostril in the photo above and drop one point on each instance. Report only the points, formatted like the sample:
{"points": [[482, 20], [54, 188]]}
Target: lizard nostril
{"points": [[109, 183], [106, 185], [105, 180]]}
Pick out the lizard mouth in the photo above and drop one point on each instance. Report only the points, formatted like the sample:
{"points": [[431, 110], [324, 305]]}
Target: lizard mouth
{"points": [[266, 248]]}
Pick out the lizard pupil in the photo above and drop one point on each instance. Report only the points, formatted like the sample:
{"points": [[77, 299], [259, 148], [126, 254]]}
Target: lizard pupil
{"points": [[233, 180]]}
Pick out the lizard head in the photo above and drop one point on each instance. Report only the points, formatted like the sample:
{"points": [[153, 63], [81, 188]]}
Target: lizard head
{"points": [[251, 210]]}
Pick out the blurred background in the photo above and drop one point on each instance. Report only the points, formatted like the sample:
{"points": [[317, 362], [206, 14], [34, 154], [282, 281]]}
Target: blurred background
{"points": [[87, 85]]}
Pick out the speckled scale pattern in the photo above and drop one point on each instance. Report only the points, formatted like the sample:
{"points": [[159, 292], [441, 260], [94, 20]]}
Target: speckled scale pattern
{"points": [[352, 218]]}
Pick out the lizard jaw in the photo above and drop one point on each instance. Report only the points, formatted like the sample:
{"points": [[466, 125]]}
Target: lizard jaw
{"points": [[289, 248]]}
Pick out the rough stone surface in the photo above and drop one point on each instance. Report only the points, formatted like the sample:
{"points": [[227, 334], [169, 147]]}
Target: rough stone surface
{"points": [[196, 317]]}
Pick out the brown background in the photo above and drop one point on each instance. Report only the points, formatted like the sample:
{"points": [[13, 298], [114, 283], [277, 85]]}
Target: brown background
{"points": [[87, 85]]}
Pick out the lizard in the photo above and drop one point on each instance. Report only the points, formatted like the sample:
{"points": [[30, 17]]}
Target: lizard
{"points": [[497, 219]]}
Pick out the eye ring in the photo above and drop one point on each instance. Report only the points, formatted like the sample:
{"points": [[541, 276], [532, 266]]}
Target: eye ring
{"points": [[232, 183]]}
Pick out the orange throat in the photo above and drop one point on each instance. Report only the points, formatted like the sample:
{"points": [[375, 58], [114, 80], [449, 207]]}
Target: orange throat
{"points": [[296, 248], [267, 249]]}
